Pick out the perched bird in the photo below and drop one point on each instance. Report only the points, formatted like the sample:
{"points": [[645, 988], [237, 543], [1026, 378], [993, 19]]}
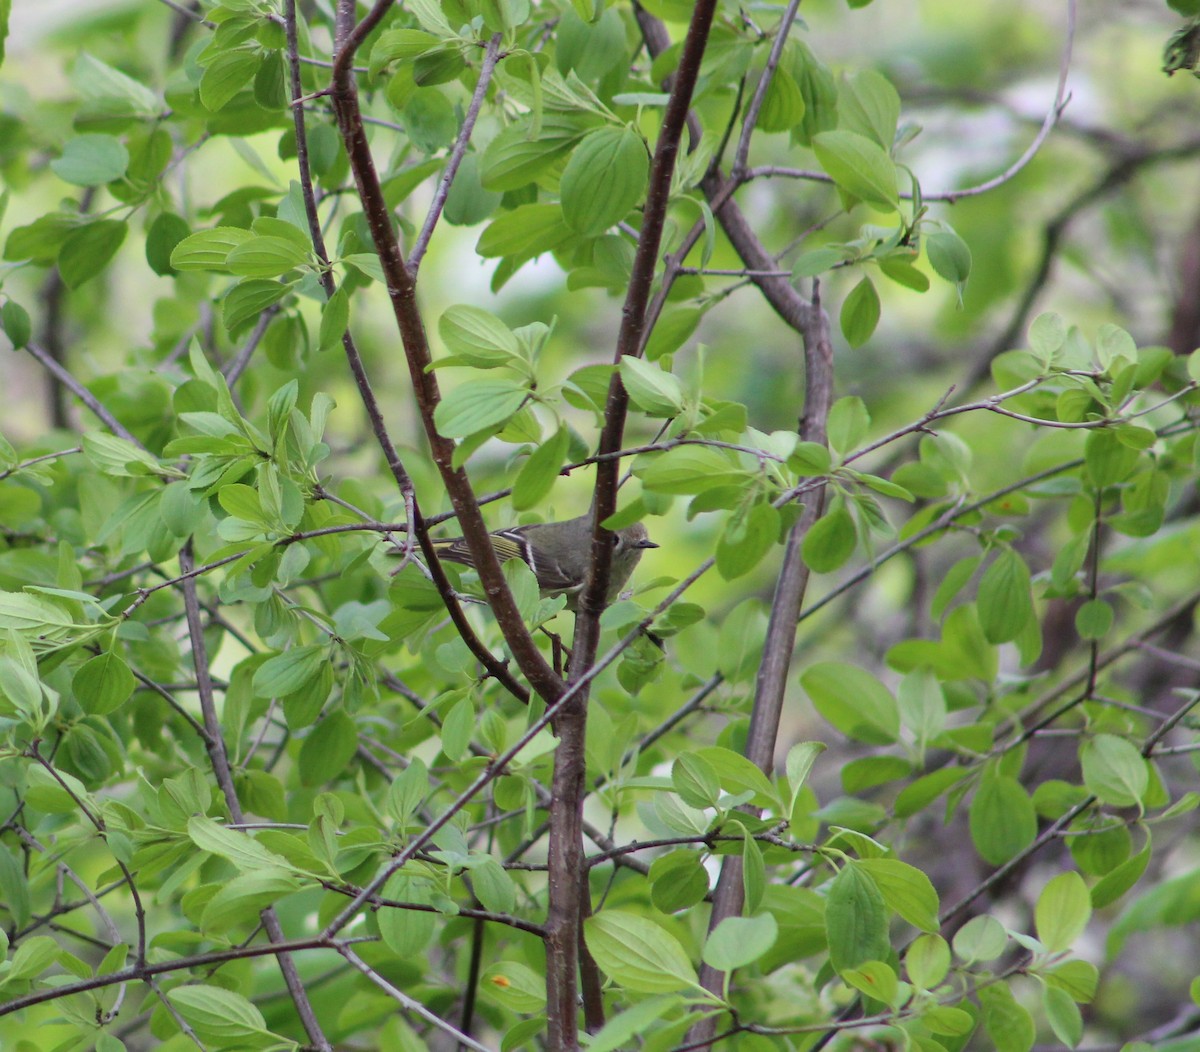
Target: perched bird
{"points": [[559, 553]]}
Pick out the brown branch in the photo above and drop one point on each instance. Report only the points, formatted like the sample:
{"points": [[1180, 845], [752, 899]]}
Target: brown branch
{"points": [[60, 373], [781, 629], [402, 294], [491, 56], [495, 668], [567, 876]]}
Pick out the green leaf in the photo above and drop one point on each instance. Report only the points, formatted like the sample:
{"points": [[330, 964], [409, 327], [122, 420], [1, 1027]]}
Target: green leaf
{"points": [[859, 166], [162, 238], [948, 1020], [875, 979], [118, 456], [949, 256], [1094, 619], [677, 881], [1063, 1015], [91, 160], [1108, 459], [244, 303], [1009, 1025], [240, 901], [906, 890], [226, 75], [59, 793], [927, 961], [740, 643], [739, 774], [217, 1014], [1114, 770], [809, 459], [817, 261], [798, 765], [246, 853], [97, 81], [1005, 602], [692, 469], [1002, 818], [739, 941], [1114, 884], [539, 473], [604, 179], [904, 273], [855, 920], [103, 684], [14, 891], [265, 257], [335, 319], [208, 249], [16, 324], [922, 704], [460, 720], [478, 405], [270, 82], [637, 953], [621, 1030], [860, 313], [1062, 911], [87, 250], [830, 541], [328, 749], [869, 105], [1047, 334], [517, 156], [478, 337], [848, 423], [853, 701], [651, 388], [525, 232], [783, 106], [32, 957], [750, 533], [981, 939], [514, 986], [286, 673], [695, 780]]}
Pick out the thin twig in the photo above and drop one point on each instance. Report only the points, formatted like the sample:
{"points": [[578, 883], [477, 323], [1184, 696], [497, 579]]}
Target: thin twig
{"points": [[491, 55]]}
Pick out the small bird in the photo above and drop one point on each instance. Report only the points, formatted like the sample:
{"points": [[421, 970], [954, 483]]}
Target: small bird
{"points": [[559, 553]]}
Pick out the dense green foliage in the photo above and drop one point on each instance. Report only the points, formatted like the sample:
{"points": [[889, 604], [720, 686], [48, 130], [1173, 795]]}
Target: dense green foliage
{"points": [[909, 408]]}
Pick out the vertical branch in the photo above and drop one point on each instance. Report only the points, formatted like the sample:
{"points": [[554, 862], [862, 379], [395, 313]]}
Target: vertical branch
{"points": [[633, 318], [567, 877], [760, 92], [491, 56], [810, 321], [402, 292], [418, 527], [781, 627]]}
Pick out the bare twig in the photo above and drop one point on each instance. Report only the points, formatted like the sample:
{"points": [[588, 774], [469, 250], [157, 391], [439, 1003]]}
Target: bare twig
{"points": [[491, 55]]}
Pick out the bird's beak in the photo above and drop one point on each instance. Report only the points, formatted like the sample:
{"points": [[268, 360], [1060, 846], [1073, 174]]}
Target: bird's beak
{"points": [[647, 543]]}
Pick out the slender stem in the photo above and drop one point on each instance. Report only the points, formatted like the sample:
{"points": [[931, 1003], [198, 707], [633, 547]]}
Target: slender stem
{"points": [[402, 293], [760, 91], [64, 377], [219, 758], [491, 55]]}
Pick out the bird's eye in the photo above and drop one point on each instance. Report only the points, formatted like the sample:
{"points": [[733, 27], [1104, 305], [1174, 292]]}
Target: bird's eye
{"points": [[616, 540]]}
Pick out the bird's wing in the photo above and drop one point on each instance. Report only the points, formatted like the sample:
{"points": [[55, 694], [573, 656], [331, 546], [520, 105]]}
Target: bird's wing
{"points": [[508, 544], [550, 575]]}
